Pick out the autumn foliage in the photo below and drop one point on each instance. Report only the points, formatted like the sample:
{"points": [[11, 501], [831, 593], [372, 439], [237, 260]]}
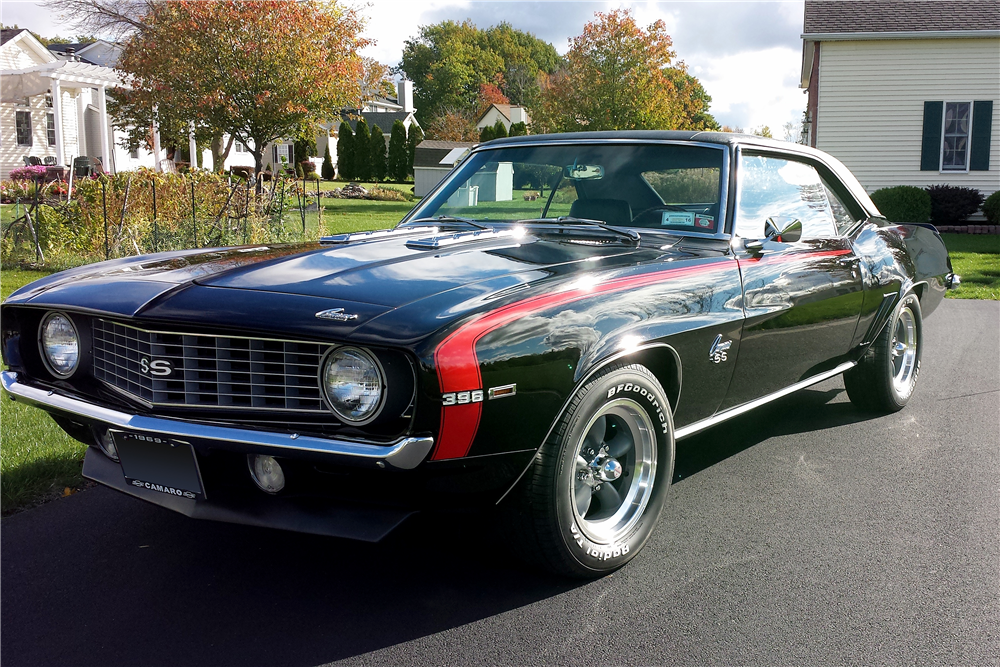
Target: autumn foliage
{"points": [[620, 76], [255, 71]]}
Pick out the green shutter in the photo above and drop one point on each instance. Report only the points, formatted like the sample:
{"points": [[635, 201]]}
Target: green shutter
{"points": [[930, 148], [982, 122]]}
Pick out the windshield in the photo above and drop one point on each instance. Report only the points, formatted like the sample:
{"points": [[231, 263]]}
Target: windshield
{"points": [[659, 186]]}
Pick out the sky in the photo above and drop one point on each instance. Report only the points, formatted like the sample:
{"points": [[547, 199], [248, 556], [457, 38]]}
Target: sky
{"points": [[745, 53]]}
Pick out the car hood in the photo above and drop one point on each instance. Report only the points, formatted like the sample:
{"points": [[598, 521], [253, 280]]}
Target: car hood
{"points": [[383, 273]]}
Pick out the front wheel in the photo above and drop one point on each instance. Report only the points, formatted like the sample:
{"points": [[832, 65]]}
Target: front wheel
{"points": [[597, 486], [886, 376]]}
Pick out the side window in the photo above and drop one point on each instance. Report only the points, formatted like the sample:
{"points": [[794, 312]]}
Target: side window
{"points": [[772, 187], [842, 217]]}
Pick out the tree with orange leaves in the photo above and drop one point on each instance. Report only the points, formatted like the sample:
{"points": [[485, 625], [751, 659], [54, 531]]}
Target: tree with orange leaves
{"points": [[620, 76], [255, 71]]}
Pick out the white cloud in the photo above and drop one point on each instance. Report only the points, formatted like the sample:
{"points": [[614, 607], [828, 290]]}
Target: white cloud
{"points": [[753, 88]]}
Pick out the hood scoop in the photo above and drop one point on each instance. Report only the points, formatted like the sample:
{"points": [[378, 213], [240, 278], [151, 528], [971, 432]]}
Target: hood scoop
{"points": [[445, 240]]}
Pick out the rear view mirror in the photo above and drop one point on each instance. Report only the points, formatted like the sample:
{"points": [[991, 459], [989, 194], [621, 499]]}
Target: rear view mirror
{"points": [[583, 172]]}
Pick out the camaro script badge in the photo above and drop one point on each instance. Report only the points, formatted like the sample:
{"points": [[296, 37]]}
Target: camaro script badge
{"points": [[717, 353], [336, 314]]}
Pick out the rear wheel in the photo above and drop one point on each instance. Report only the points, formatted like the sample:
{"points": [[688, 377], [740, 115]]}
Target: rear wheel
{"points": [[886, 376], [593, 495]]}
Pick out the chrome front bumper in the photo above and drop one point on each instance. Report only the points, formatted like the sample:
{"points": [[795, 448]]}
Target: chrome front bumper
{"points": [[404, 454]]}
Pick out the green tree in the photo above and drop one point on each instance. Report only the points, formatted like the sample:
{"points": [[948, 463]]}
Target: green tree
{"points": [[449, 62], [396, 163], [620, 76], [328, 171], [256, 72], [499, 130], [762, 131], [487, 134], [413, 139], [362, 152], [378, 168], [345, 151], [519, 129]]}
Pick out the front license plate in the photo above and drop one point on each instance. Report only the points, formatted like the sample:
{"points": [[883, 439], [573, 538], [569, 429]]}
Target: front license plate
{"points": [[159, 464]]}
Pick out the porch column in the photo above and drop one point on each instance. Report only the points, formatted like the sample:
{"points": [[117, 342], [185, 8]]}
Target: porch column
{"points": [[57, 118], [102, 99], [192, 147]]}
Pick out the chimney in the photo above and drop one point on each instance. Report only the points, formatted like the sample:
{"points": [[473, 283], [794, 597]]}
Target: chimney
{"points": [[404, 94], [71, 53]]}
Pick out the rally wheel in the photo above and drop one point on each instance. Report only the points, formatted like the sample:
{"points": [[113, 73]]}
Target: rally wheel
{"points": [[597, 486], [886, 376]]}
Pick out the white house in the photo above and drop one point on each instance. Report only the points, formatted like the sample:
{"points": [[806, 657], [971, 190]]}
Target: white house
{"points": [[54, 106], [508, 114], [906, 92]]}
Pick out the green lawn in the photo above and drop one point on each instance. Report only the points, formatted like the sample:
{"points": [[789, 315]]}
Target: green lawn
{"points": [[37, 459], [976, 258]]}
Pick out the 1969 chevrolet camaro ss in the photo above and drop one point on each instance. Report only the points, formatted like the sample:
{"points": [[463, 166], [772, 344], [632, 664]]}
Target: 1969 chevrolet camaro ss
{"points": [[536, 334]]}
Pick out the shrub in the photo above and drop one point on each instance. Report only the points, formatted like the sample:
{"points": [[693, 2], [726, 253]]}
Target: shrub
{"points": [[396, 164], [413, 138], [386, 194], [345, 151], [518, 129], [991, 208], [903, 203], [27, 173], [377, 155], [499, 130], [312, 176], [951, 204], [328, 170], [308, 167], [362, 151], [486, 134]]}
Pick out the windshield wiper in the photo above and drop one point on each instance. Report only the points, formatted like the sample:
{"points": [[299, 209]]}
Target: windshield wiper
{"points": [[629, 234], [448, 218]]}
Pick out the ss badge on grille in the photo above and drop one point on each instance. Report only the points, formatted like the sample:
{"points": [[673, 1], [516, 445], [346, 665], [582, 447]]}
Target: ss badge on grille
{"points": [[155, 367]]}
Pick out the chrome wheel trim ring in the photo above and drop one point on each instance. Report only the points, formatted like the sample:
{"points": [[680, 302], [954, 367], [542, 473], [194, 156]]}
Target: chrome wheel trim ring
{"points": [[904, 352], [635, 483]]}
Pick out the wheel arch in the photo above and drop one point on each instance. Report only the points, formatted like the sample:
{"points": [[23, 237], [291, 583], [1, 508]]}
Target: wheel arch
{"points": [[662, 360]]}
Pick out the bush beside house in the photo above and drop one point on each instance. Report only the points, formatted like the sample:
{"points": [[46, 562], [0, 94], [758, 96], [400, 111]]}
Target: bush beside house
{"points": [[903, 203]]}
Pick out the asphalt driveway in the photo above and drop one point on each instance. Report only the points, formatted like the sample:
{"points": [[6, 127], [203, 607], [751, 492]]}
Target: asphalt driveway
{"points": [[806, 533]]}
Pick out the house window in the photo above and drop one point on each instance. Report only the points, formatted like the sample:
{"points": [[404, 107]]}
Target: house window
{"points": [[955, 142], [134, 154], [50, 128], [22, 124], [239, 147]]}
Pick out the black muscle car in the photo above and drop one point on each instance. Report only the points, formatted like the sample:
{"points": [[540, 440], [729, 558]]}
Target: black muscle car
{"points": [[535, 334]]}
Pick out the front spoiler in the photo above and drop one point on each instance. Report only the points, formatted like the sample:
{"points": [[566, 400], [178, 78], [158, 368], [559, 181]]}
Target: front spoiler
{"points": [[356, 522], [404, 454]]}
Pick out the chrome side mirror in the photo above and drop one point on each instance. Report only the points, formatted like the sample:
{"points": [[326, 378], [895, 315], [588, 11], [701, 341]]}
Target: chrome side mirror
{"points": [[777, 229]]}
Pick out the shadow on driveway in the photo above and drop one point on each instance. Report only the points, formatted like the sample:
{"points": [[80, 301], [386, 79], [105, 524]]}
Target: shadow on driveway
{"points": [[102, 579]]}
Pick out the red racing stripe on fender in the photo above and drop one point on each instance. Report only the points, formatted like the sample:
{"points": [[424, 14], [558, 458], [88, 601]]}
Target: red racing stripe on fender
{"points": [[458, 366], [795, 256]]}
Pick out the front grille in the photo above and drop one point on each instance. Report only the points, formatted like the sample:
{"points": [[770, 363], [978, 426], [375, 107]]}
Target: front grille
{"points": [[178, 369]]}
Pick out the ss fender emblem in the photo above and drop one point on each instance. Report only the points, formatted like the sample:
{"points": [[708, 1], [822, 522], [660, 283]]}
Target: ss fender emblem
{"points": [[155, 367], [718, 352], [462, 397]]}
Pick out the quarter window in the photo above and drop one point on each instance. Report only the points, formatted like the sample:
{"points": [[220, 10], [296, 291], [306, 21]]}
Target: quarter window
{"points": [[955, 141], [22, 123], [772, 187]]}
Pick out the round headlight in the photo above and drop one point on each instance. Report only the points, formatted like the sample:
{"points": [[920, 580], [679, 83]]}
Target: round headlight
{"points": [[353, 384], [60, 344]]}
